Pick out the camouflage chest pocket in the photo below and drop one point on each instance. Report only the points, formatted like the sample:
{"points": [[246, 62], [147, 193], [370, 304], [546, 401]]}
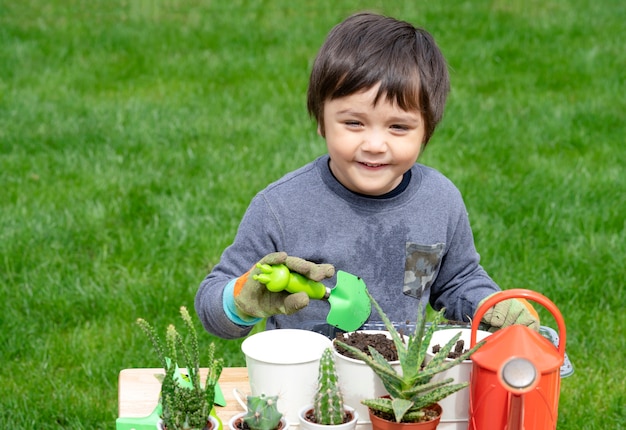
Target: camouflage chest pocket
{"points": [[421, 267]]}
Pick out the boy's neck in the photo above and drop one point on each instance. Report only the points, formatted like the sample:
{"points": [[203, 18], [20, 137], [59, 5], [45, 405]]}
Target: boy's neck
{"points": [[406, 179]]}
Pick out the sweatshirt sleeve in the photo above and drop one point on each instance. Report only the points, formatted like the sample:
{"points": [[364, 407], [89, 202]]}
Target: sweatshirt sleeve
{"points": [[462, 282], [258, 235]]}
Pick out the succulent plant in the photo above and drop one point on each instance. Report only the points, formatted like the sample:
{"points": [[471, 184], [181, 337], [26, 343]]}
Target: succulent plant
{"points": [[185, 404], [262, 412], [411, 390], [328, 401]]}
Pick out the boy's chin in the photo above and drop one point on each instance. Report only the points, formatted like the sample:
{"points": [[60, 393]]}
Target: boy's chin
{"points": [[373, 191]]}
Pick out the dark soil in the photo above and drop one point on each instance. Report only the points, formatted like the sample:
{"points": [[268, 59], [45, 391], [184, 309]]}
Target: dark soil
{"points": [[309, 416], [240, 424], [429, 415], [458, 350], [209, 426], [379, 341], [385, 346]]}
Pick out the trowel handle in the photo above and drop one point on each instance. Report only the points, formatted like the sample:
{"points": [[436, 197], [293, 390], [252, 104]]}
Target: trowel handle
{"points": [[520, 293], [278, 278]]}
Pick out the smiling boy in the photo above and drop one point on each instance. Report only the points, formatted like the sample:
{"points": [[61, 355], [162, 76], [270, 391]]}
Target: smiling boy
{"points": [[371, 144], [377, 91]]}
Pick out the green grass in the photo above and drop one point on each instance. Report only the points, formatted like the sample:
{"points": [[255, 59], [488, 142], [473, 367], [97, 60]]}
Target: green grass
{"points": [[133, 135]]}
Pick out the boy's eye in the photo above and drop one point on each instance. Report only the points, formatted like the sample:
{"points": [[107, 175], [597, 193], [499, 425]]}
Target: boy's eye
{"points": [[397, 127], [351, 123]]}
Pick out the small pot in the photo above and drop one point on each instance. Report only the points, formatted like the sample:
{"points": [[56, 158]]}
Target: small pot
{"points": [[236, 422], [382, 424], [305, 424], [213, 423]]}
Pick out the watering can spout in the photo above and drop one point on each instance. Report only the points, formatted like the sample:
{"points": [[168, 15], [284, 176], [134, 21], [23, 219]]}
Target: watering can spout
{"points": [[518, 376], [516, 372]]}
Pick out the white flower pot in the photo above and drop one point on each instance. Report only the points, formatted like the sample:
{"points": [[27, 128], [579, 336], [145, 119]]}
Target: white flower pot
{"points": [[285, 362], [456, 406], [358, 381], [308, 425], [284, 424], [217, 425]]}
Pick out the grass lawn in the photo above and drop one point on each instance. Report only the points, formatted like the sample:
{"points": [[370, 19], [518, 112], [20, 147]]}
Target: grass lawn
{"points": [[134, 133]]}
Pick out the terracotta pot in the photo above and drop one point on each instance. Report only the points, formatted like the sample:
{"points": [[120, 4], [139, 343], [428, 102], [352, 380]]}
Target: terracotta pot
{"points": [[308, 425], [235, 423], [382, 424]]}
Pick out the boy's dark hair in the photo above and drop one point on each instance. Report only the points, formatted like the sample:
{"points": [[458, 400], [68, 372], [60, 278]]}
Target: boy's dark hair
{"points": [[367, 48]]}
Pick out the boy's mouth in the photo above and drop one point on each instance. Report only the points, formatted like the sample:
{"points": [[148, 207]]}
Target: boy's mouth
{"points": [[373, 165]]}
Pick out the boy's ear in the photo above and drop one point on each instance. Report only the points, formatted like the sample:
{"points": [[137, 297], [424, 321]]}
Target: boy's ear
{"points": [[320, 130]]}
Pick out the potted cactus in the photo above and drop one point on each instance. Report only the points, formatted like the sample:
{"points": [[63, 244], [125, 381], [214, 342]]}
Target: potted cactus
{"points": [[328, 408], [184, 403], [261, 414], [413, 396]]}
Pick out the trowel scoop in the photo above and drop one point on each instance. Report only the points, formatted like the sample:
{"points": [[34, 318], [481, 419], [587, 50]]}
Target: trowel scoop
{"points": [[349, 304]]}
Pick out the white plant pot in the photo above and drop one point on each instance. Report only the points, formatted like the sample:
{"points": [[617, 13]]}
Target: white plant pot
{"points": [[358, 381], [456, 406], [308, 425], [284, 424], [217, 425], [285, 362]]}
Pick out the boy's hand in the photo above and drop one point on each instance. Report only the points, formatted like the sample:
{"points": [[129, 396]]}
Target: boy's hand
{"points": [[508, 312], [253, 299], [313, 271]]}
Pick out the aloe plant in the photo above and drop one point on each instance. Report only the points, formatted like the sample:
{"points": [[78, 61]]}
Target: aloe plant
{"points": [[328, 401], [185, 404], [262, 412], [411, 390]]}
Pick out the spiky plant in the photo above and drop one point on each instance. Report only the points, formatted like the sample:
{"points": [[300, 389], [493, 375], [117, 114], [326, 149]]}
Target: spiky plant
{"points": [[328, 401], [411, 391], [185, 404], [262, 412]]}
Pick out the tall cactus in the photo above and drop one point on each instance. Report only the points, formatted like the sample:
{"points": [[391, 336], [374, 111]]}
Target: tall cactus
{"points": [[328, 401], [262, 412], [185, 404]]}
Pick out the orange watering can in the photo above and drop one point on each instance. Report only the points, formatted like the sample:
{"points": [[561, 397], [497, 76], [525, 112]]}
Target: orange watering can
{"points": [[515, 379]]}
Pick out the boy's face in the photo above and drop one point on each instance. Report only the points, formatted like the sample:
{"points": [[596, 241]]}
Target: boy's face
{"points": [[371, 147]]}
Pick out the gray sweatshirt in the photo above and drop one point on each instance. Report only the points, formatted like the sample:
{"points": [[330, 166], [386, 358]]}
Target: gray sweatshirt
{"points": [[412, 248]]}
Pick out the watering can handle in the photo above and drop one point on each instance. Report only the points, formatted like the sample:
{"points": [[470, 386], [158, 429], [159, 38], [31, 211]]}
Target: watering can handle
{"points": [[521, 293]]}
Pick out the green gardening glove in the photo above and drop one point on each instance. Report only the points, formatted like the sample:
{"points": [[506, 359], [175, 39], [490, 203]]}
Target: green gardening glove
{"points": [[508, 312], [253, 299]]}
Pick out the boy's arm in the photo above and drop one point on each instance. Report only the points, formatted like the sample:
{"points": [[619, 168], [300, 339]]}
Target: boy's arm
{"points": [[462, 282], [230, 300], [468, 286], [246, 300], [257, 236]]}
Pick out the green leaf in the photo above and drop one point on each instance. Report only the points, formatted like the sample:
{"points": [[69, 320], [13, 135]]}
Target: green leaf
{"points": [[400, 407]]}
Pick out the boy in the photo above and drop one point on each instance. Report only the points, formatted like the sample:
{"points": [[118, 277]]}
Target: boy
{"points": [[377, 90]]}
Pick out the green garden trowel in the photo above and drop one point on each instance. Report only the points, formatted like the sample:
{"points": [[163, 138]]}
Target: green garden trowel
{"points": [[350, 306]]}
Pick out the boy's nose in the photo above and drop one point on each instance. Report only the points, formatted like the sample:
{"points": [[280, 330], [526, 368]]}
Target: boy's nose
{"points": [[374, 142]]}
